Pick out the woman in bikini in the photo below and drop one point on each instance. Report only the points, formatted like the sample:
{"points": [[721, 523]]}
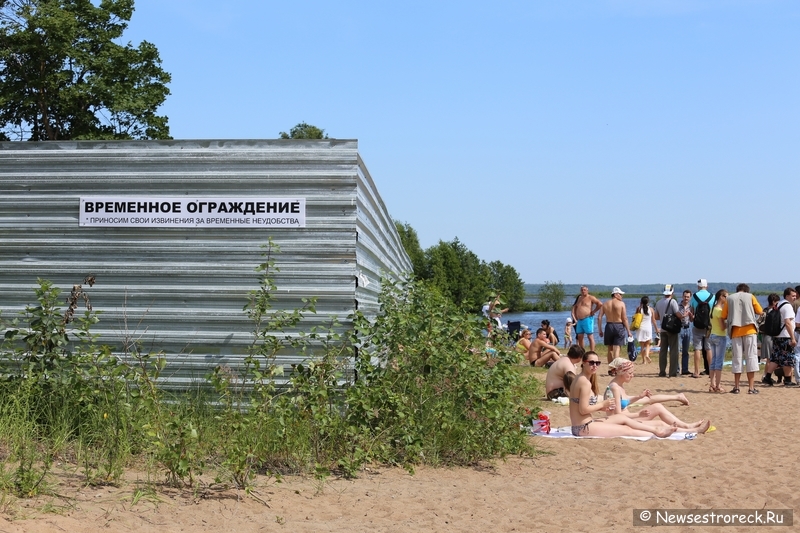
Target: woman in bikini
{"points": [[524, 341], [583, 401], [655, 414], [650, 399]]}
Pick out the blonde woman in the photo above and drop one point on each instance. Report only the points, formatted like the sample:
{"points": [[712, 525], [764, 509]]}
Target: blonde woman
{"points": [[654, 414]]}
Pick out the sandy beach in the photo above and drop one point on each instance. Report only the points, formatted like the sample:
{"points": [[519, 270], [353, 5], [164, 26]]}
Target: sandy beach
{"points": [[573, 485]]}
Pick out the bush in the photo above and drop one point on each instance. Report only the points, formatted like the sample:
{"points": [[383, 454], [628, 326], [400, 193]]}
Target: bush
{"points": [[429, 391], [421, 387]]}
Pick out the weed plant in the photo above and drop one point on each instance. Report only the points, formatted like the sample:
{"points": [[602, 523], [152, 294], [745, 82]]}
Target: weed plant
{"points": [[415, 385]]}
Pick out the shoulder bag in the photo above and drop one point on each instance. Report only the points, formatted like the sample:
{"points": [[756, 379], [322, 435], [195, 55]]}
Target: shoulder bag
{"points": [[670, 322]]}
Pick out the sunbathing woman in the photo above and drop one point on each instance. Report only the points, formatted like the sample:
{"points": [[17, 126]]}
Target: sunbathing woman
{"points": [[656, 414], [583, 401], [650, 399]]}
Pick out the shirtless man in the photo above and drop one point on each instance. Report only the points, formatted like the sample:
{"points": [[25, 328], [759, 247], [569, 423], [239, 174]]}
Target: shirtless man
{"points": [[554, 382], [583, 311], [617, 328], [541, 351]]}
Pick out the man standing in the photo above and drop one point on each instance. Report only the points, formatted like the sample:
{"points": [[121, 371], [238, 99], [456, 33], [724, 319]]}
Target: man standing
{"points": [[583, 311], [705, 301], [617, 329], [784, 343], [686, 314], [741, 310], [669, 341]]}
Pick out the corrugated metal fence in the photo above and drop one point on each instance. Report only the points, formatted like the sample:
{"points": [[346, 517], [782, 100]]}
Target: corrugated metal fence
{"points": [[182, 290]]}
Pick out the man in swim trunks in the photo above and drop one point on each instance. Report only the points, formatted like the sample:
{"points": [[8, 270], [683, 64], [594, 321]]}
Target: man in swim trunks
{"points": [[583, 311], [617, 329], [554, 381], [541, 351]]}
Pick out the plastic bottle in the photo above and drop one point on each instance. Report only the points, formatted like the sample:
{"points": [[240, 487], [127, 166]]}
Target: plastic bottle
{"points": [[609, 395]]}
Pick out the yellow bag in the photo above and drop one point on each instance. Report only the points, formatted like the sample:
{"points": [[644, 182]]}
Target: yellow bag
{"points": [[636, 323]]}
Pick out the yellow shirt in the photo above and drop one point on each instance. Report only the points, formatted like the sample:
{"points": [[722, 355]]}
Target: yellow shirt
{"points": [[718, 323]]}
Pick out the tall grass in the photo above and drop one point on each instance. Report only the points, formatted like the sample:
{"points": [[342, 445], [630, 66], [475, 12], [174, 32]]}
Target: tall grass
{"points": [[420, 388]]}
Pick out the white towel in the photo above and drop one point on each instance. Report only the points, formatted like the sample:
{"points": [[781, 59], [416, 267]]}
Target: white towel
{"points": [[566, 433]]}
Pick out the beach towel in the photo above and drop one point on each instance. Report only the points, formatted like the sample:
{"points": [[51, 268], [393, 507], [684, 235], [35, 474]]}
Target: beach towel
{"points": [[566, 433]]}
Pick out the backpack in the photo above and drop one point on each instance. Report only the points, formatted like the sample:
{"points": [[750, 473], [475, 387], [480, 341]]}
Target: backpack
{"points": [[773, 324], [702, 315]]}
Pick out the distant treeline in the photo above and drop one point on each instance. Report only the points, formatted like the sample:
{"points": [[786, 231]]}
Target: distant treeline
{"points": [[532, 289]]}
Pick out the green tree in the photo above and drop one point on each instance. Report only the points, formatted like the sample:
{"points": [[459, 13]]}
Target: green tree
{"points": [[410, 241], [304, 131], [506, 281], [458, 274], [551, 296], [62, 76]]}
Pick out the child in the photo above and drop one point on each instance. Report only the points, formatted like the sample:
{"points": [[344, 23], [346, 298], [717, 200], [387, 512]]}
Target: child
{"points": [[568, 333]]}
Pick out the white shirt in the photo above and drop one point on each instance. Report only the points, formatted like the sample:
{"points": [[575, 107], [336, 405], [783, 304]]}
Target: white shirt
{"points": [[786, 313]]}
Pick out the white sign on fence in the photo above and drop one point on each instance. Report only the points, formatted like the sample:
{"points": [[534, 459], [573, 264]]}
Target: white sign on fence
{"points": [[187, 212]]}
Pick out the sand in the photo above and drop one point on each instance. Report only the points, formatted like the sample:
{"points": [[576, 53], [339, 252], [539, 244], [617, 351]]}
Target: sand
{"points": [[575, 485]]}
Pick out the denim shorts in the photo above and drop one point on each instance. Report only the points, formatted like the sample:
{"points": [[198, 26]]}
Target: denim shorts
{"points": [[717, 344]]}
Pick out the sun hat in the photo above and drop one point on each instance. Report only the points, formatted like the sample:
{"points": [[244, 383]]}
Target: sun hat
{"points": [[617, 290], [668, 290], [702, 283]]}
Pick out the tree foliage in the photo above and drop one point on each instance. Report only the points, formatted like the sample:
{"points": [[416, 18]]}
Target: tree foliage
{"points": [[63, 76], [410, 241], [461, 275], [551, 296], [506, 281], [458, 274], [304, 131]]}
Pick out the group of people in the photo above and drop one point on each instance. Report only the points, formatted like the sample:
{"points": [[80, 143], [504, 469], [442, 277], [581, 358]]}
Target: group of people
{"points": [[705, 321]]}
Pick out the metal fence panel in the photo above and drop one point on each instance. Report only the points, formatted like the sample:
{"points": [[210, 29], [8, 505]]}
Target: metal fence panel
{"points": [[182, 290]]}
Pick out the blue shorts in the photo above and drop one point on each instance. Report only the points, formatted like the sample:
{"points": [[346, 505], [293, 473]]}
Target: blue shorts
{"points": [[585, 325]]}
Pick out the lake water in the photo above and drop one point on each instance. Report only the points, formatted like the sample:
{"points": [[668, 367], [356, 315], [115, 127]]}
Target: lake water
{"points": [[559, 319]]}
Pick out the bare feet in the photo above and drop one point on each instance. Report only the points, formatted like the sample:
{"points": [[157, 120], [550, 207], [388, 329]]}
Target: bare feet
{"points": [[704, 426], [664, 432], [682, 399]]}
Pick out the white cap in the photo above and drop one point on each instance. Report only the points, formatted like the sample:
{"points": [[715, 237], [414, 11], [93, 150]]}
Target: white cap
{"points": [[617, 290], [668, 290], [702, 283]]}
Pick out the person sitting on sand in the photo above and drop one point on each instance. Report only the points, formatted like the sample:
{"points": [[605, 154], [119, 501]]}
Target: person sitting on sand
{"points": [[552, 336], [584, 400], [554, 381], [524, 341], [541, 352], [650, 399], [649, 415]]}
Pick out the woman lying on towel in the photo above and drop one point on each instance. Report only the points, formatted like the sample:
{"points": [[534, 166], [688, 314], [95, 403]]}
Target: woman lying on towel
{"points": [[654, 414], [584, 400], [648, 399]]}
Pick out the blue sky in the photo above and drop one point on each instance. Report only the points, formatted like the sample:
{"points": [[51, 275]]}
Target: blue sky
{"points": [[598, 141]]}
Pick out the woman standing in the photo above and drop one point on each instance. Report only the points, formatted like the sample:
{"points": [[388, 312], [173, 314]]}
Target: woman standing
{"points": [[718, 341], [644, 335]]}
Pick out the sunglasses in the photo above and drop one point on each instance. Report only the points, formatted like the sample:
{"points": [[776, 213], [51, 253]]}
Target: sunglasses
{"points": [[593, 363]]}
